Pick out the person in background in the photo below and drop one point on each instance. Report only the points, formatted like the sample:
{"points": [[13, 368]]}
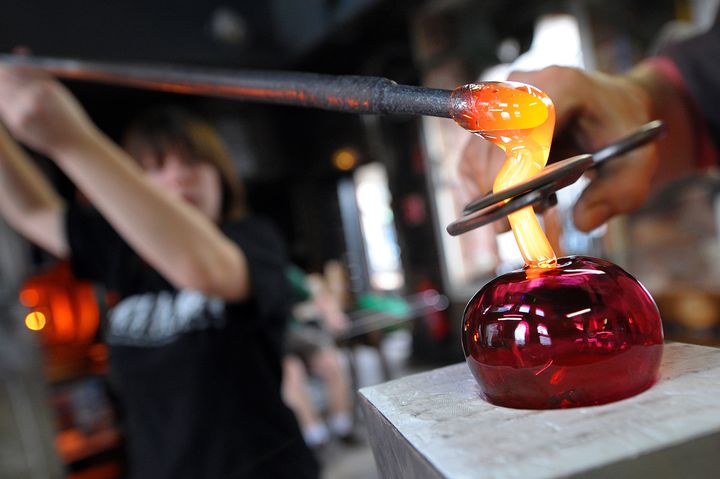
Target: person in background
{"points": [[196, 339], [680, 85], [310, 347]]}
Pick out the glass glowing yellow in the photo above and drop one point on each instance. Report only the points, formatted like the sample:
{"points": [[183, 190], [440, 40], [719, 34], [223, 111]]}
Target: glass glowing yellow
{"points": [[520, 119]]}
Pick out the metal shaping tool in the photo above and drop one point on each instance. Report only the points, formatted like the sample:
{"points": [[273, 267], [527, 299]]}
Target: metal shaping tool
{"points": [[539, 191]]}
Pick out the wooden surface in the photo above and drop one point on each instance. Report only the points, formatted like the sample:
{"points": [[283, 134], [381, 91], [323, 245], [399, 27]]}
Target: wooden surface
{"points": [[434, 424]]}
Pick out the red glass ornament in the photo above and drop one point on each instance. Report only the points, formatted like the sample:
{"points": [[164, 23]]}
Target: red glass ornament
{"points": [[581, 334]]}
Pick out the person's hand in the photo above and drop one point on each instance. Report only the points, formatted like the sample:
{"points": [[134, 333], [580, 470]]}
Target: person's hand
{"points": [[41, 112], [592, 110], [333, 317], [336, 321]]}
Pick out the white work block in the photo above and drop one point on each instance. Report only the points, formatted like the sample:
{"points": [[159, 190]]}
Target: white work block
{"points": [[435, 425]]}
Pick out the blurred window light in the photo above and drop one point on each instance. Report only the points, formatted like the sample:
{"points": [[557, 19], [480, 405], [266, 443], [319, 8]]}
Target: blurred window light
{"points": [[556, 41], [378, 229]]}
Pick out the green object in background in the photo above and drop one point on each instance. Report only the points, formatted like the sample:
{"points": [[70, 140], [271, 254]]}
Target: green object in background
{"points": [[390, 305], [300, 290]]}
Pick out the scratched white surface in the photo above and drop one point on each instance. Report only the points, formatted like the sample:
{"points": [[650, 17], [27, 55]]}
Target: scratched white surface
{"points": [[442, 416]]}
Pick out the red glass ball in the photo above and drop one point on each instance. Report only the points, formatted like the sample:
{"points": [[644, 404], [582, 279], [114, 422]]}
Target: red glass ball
{"points": [[581, 334]]}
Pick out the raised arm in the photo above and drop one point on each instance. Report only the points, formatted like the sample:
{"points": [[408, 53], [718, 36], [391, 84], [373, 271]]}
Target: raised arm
{"points": [[173, 237], [27, 200]]}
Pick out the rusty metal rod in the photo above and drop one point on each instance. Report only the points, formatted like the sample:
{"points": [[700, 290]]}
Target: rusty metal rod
{"points": [[345, 93]]}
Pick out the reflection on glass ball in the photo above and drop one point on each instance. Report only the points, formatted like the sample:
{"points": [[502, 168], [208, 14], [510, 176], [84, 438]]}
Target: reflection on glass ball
{"points": [[581, 334]]}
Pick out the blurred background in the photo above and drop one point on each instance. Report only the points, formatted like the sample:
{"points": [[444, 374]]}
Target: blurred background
{"points": [[361, 200]]}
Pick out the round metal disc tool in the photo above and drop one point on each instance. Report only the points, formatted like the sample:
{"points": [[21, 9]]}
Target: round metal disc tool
{"points": [[539, 190], [573, 167]]}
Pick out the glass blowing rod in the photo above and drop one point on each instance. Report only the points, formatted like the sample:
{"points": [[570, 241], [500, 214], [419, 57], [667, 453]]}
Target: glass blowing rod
{"points": [[345, 93]]}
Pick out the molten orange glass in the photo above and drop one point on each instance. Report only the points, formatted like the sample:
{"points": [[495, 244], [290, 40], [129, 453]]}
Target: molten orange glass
{"points": [[572, 332], [519, 119]]}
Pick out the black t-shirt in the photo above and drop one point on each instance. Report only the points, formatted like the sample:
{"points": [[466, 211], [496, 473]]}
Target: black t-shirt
{"points": [[698, 60], [198, 379]]}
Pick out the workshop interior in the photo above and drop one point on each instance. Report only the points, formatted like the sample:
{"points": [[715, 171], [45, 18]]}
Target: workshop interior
{"points": [[361, 199]]}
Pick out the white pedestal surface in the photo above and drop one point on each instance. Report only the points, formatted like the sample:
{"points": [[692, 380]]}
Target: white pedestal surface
{"points": [[435, 425]]}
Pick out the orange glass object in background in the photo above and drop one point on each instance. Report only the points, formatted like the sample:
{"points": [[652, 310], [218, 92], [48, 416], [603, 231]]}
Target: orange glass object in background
{"points": [[520, 119], [68, 306]]}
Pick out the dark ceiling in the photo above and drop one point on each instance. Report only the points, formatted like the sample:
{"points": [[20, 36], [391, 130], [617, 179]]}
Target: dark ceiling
{"points": [[366, 37], [265, 33], [326, 36]]}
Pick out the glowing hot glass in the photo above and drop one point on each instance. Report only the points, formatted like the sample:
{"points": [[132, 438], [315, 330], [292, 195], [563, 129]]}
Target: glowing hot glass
{"points": [[563, 332], [519, 119]]}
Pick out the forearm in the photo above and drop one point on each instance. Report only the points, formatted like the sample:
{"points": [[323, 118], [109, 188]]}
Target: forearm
{"points": [[678, 149], [172, 236], [27, 200]]}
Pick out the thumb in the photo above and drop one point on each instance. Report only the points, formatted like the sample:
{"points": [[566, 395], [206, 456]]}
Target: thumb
{"points": [[587, 217], [620, 188]]}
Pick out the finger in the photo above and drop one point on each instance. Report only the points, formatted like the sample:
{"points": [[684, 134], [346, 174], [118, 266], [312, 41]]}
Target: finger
{"points": [[562, 85], [619, 189], [24, 73], [563, 147], [469, 178], [11, 86], [479, 164], [10, 73], [14, 87], [22, 50], [501, 226]]}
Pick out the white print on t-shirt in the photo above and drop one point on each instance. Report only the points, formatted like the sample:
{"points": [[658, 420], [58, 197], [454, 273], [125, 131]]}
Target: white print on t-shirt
{"points": [[154, 319]]}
